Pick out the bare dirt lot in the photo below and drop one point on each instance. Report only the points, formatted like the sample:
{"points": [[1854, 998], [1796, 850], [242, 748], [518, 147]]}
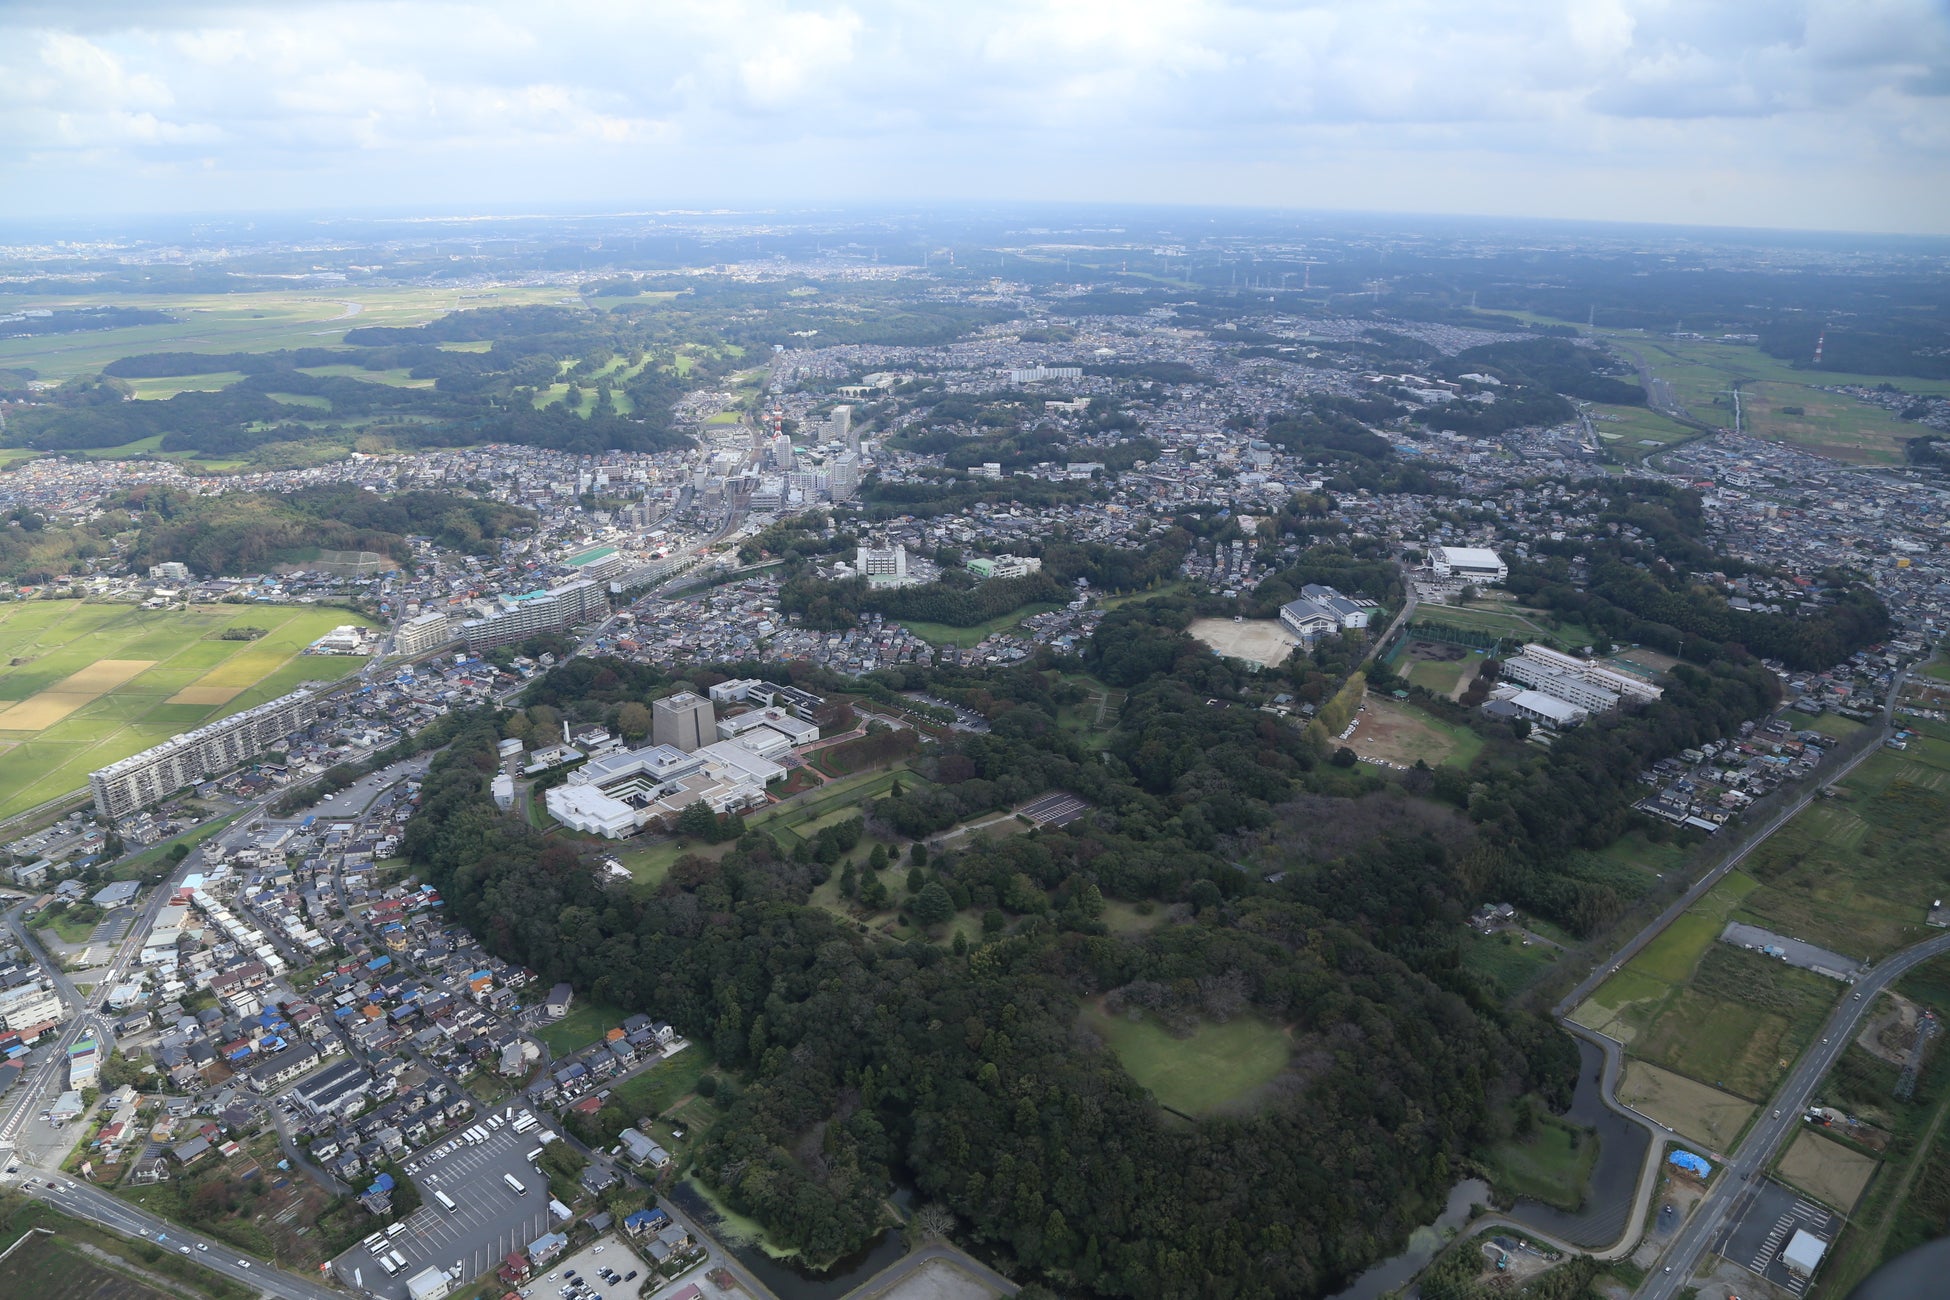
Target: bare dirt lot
{"points": [[1393, 734], [1257, 640], [1692, 1109], [1826, 1170]]}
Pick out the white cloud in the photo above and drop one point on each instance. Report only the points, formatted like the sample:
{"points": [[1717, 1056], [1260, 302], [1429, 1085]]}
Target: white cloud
{"points": [[1557, 106]]}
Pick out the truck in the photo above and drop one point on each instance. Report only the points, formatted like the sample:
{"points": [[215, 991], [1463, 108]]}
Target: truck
{"points": [[514, 1184]]}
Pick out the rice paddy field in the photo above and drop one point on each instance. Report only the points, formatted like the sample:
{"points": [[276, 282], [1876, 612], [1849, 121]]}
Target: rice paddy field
{"points": [[83, 683]]}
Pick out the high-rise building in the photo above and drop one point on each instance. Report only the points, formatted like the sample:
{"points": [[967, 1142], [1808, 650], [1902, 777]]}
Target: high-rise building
{"points": [[881, 562], [517, 618], [683, 721], [843, 476], [840, 428], [141, 779], [423, 632]]}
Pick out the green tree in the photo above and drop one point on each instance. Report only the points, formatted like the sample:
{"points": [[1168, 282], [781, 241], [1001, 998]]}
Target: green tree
{"points": [[633, 720], [932, 905], [698, 821], [916, 878]]}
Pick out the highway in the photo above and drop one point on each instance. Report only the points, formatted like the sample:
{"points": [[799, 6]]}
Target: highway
{"points": [[1780, 1123]]}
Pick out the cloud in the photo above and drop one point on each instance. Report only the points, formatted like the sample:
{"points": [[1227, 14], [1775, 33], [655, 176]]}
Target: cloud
{"points": [[383, 101]]}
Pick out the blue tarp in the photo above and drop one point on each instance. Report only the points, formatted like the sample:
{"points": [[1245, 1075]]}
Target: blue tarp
{"points": [[1691, 1163]]}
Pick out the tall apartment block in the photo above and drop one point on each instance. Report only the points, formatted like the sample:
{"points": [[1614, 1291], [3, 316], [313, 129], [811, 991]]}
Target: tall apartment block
{"points": [[160, 771]]}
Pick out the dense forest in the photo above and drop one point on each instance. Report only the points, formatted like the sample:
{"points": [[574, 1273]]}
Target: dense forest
{"points": [[245, 532]]}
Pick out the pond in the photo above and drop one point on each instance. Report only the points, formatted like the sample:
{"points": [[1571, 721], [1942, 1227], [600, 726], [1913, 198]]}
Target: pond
{"points": [[786, 1278], [1423, 1244]]}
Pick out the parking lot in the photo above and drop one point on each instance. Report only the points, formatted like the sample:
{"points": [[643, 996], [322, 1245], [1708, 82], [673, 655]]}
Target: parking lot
{"points": [[1054, 809], [1763, 1223], [489, 1219], [608, 1251]]}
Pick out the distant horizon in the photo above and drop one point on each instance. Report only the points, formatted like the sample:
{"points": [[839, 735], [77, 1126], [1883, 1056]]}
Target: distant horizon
{"points": [[799, 212]]}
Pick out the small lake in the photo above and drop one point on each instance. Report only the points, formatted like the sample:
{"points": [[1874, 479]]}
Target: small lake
{"points": [[787, 1279], [1423, 1244]]}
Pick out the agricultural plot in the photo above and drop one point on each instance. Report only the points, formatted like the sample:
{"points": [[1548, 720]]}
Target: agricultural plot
{"points": [[1217, 1068], [1690, 1108], [1504, 962], [1401, 734], [1828, 1171], [83, 684]]}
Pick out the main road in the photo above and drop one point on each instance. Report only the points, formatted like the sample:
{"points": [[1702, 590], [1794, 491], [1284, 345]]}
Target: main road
{"points": [[1780, 1122]]}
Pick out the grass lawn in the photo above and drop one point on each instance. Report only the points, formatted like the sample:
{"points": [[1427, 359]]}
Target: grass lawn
{"points": [[651, 863], [1832, 724], [964, 637], [70, 930], [54, 640], [1504, 962], [1552, 1165], [1215, 1068], [585, 1023], [1624, 430], [662, 1086], [150, 389], [1172, 588], [842, 793], [1124, 918], [1672, 956]]}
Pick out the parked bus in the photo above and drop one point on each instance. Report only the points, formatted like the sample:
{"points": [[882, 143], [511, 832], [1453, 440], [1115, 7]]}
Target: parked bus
{"points": [[374, 1242], [386, 1262], [514, 1183], [534, 1157], [398, 1261], [446, 1201], [395, 1230]]}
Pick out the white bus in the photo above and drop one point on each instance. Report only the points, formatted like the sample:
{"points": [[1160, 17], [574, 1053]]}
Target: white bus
{"points": [[534, 1157], [525, 1122], [446, 1201], [514, 1184], [386, 1262], [397, 1260], [395, 1230], [374, 1242]]}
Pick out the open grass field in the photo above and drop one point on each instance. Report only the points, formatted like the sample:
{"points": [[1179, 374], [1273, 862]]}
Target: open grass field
{"points": [[1441, 676], [83, 684], [240, 322], [1401, 733], [585, 1023], [1692, 1109], [844, 794], [1524, 626], [169, 386], [1504, 961], [1857, 873], [1256, 640], [662, 1086], [49, 1269], [1828, 1171], [1828, 423], [964, 637], [1626, 431], [1552, 1165], [1217, 1068], [652, 862]]}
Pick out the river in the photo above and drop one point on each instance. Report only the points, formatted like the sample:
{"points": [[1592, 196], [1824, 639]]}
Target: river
{"points": [[1423, 1244]]}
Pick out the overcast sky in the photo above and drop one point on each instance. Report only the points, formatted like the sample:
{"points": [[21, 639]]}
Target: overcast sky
{"points": [[1831, 114]]}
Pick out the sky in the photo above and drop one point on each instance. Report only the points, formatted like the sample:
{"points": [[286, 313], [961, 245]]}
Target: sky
{"points": [[1808, 114]]}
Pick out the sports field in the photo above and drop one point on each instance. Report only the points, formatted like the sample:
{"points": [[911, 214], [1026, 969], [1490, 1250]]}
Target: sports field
{"points": [[83, 684], [1256, 640], [1401, 734], [1217, 1067]]}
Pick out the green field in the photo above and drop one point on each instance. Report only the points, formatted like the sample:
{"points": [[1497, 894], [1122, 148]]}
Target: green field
{"points": [[1827, 423], [964, 637], [240, 322], [44, 642], [1552, 1165], [1503, 622], [53, 1266], [1504, 962], [844, 794], [650, 863], [660, 1087], [1624, 430], [585, 1023], [1214, 1069], [169, 386]]}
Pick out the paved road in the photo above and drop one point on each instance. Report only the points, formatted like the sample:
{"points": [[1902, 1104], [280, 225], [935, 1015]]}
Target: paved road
{"points": [[1780, 1123], [84, 1202], [1401, 619]]}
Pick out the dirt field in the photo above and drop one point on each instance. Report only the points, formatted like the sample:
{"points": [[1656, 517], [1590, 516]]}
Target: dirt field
{"points": [[1257, 640], [1827, 1170], [45, 708], [1386, 731], [1891, 1032], [1706, 1115], [937, 1279], [1648, 659]]}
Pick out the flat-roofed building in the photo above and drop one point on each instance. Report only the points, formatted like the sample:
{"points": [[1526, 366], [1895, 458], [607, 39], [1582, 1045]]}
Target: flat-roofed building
{"points": [[162, 770], [423, 632], [516, 618], [683, 721], [1469, 563]]}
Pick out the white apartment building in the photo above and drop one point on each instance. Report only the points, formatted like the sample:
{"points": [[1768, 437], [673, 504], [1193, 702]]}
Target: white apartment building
{"points": [[516, 618], [29, 1005], [141, 779], [423, 632]]}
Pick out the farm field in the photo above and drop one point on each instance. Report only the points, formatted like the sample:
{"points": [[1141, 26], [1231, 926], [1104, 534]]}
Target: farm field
{"points": [[1708, 1116], [240, 322], [83, 684], [1504, 961], [662, 1086], [1827, 1170], [1701, 373], [1401, 734], [1258, 640], [1216, 1068], [1625, 430]]}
